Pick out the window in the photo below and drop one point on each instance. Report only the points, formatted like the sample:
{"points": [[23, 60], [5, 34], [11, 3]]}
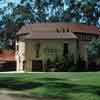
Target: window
{"points": [[51, 51], [89, 38], [57, 30], [84, 37]]}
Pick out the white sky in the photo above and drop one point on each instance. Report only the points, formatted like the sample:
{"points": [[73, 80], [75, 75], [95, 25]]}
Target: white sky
{"points": [[3, 3]]}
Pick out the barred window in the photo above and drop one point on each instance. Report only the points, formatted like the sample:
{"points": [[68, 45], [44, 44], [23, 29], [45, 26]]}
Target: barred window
{"points": [[84, 37], [52, 51]]}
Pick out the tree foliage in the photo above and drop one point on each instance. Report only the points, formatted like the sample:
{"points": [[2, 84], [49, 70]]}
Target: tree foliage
{"points": [[94, 49], [83, 11], [13, 15]]}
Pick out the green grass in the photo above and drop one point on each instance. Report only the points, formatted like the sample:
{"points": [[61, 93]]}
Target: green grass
{"points": [[63, 86]]}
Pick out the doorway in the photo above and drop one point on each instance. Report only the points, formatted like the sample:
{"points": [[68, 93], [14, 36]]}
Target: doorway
{"points": [[65, 52], [37, 65]]}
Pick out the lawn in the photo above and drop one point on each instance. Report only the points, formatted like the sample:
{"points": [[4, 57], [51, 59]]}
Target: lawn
{"points": [[56, 86]]}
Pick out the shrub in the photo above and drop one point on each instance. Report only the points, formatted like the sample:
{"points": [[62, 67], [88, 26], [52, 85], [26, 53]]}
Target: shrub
{"points": [[70, 66], [80, 65], [67, 64]]}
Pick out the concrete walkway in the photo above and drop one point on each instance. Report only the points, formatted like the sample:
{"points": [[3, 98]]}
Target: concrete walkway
{"points": [[6, 94], [13, 72], [14, 95]]}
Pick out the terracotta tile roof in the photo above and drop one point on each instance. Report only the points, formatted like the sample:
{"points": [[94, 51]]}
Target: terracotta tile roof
{"points": [[50, 35], [7, 55], [52, 27]]}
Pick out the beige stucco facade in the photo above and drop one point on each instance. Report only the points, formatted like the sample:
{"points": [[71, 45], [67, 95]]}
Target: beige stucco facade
{"points": [[27, 51], [43, 41]]}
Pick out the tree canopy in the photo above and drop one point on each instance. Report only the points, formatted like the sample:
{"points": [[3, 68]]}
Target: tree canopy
{"points": [[13, 16]]}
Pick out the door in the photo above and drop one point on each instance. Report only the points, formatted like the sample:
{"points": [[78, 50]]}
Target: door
{"points": [[37, 65], [65, 52]]}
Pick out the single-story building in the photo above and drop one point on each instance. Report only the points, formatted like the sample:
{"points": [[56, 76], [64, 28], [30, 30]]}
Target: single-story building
{"points": [[38, 42]]}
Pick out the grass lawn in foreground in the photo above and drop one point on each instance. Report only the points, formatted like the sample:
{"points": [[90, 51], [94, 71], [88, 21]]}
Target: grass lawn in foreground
{"points": [[62, 86]]}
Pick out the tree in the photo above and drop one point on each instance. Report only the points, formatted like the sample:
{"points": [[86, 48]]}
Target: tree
{"points": [[56, 8], [13, 16], [94, 49], [40, 13], [83, 11]]}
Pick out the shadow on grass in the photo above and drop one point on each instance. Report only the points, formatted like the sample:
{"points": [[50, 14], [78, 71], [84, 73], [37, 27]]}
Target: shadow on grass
{"points": [[73, 88], [59, 86], [51, 79], [53, 87], [14, 84]]}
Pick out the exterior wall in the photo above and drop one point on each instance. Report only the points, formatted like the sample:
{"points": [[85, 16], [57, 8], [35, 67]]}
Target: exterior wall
{"points": [[20, 54], [27, 51], [83, 50], [83, 45], [30, 50]]}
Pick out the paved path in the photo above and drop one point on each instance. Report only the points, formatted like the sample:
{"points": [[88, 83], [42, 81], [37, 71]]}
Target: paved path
{"points": [[14, 95], [6, 94]]}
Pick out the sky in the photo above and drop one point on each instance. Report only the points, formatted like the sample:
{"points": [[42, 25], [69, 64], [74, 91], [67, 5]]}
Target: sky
{"points": [[7, 1], [4, 3]]}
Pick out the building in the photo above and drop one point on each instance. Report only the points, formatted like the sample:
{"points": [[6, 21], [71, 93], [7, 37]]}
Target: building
{"points": [[36, 43], [7, 60]]}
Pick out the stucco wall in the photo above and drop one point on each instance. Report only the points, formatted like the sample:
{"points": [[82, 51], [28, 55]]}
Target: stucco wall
{"points": [[27, 51], [83, 45], [83, 50], [30, 50]]}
